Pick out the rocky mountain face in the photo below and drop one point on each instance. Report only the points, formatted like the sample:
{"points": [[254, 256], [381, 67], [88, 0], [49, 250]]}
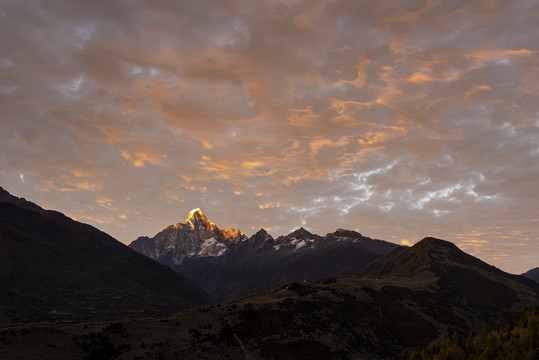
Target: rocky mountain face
{"points": [[197, 237], [53, 268], [402, 302], [227, 264], [532, 274]]}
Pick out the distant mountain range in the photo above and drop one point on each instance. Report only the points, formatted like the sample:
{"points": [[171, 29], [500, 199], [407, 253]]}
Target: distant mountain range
{"points": [[227, 264], [394, 308], [53, 268]]}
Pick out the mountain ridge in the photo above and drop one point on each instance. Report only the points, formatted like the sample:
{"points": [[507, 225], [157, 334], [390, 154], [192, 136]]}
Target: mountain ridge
{"points": [[396, 263], [532, 274], [53, 268], [484, 285], [229, 267]]}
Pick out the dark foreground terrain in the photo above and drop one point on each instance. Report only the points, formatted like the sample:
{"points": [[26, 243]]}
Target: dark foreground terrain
{"points": [[53, 268], [516, 339], [421, 294]]}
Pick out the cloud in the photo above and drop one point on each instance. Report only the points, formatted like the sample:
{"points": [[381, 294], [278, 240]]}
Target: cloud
{"points": [[400, 119], [140, 158]]}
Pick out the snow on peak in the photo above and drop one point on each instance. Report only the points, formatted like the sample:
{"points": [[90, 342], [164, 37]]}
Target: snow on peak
{"points": [[196, 219], [210, 247], [196, 213]]}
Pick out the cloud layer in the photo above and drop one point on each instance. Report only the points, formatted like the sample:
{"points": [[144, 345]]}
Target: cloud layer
{"points": [[400, 119]]}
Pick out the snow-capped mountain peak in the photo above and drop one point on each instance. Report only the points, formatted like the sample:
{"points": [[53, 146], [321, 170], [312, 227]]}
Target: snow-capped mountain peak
{"points": [[196, 237], [197, 220], [229, 265]]}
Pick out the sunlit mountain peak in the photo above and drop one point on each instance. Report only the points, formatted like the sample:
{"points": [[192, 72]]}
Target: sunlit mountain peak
{"points": [[196, 211], [196, 219]]}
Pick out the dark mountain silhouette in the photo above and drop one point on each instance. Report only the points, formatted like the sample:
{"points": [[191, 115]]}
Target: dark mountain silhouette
{"points": [[482, 286], [532, 274], [228, 265], [53, 268], [404, 301]]}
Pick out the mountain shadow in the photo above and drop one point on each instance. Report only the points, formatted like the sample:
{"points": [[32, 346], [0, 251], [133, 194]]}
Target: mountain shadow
{"points": [[53, 268]]}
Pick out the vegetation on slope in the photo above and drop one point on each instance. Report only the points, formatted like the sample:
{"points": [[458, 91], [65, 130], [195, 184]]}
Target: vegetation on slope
{"points": [[518, 339]]}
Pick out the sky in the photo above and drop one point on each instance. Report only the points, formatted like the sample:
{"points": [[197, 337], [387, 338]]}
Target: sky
{"points": [[398, 119]]}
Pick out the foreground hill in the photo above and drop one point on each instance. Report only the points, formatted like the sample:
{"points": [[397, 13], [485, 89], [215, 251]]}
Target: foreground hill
{"points": [[532, 274], [53, 268], [476, 284], [411, 304], [227, 264]]}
